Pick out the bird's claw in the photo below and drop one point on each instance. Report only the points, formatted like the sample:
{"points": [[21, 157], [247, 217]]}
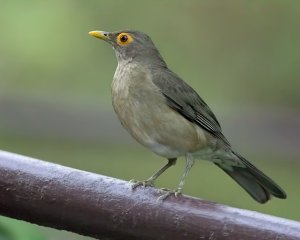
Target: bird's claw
{"points": [[177, 192], [146, 183]]}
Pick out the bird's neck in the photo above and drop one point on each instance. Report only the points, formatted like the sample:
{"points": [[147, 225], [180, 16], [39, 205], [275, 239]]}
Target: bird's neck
{"points": [[144, 59]]}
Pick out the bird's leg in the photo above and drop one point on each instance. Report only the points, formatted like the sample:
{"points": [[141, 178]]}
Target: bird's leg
{"points": [[150, 181], [189, 164]]}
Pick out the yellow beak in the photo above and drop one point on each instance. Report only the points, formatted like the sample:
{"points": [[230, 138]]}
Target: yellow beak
{"points": [[100, 34]]}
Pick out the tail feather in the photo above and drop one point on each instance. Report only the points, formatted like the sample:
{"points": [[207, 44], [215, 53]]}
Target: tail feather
{"points": [[254, 181]]}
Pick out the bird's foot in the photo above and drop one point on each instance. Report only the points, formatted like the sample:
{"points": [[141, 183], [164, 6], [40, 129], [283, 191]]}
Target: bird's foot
{"points": [[177, 192], [146, 183]]}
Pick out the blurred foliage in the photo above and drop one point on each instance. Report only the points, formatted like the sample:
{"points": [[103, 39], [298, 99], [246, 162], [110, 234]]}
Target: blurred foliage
{"points": [[221, 48], [11, 229], [5, 234], [232, 52]]}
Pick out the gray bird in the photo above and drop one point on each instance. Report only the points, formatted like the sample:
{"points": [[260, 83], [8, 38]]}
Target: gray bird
{"points": [[165, 114]]}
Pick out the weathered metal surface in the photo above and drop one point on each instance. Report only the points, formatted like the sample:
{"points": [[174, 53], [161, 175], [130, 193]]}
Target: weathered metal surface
{"points": [[102, 207]]}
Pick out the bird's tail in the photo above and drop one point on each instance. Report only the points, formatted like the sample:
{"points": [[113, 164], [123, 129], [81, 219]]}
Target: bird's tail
{"points": [[255, 182]]}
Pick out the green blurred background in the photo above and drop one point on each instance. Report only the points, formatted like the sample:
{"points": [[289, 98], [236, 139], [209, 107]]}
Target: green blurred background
{"points": [[242, 57]]}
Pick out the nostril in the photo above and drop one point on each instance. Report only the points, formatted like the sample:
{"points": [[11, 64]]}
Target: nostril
{"points": [[105, 34]]}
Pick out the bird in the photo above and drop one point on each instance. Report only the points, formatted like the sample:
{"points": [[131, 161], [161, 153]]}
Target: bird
{"points": [[165, 114]]}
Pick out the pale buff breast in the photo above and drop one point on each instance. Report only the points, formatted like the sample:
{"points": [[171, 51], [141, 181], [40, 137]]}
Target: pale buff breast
{"points": [[142, 110]]}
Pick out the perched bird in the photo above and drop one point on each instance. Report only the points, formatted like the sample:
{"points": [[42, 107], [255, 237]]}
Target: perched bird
{"points": [[166, 115]]}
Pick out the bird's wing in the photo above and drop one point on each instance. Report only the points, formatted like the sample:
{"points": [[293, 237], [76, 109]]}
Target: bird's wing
{"points": [[185, 100]]}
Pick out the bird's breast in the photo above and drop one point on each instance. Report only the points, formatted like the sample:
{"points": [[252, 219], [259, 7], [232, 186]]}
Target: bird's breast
{"points": [[143, 112]]}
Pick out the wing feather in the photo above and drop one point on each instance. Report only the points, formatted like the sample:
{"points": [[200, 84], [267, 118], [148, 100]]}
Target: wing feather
{"points": [[185, 100]]}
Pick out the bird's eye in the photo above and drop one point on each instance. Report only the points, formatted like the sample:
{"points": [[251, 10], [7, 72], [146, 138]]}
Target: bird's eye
{"points": [[124, 38]]}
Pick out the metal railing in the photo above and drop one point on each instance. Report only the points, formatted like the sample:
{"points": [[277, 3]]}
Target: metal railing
{"points": [[106, 208]]}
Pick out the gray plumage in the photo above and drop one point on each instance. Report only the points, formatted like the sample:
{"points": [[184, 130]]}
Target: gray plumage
{"points": [[184, 99], [165, 114]]}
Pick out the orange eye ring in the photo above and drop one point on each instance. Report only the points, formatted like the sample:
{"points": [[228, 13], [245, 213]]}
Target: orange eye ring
{"points": [[124, 39]]}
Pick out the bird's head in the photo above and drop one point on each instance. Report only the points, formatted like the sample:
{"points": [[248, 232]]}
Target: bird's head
{"points": [[131, 45]]}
